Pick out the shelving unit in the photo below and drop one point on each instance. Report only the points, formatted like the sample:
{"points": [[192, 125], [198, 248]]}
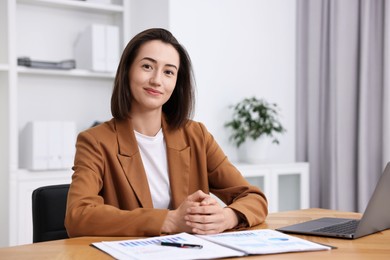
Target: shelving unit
{"points": [[29, 94], [286, 186]]}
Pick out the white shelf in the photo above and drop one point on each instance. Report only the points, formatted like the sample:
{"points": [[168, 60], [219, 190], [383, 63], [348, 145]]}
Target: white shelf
{"points": [[66, 73], [76, 5]]}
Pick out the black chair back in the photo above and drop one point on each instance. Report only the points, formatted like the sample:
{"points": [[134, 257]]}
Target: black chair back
{"points": [[48, 212]]}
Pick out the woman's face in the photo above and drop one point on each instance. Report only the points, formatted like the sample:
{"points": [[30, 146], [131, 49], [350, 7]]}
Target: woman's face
{"points": [[153, 76]]}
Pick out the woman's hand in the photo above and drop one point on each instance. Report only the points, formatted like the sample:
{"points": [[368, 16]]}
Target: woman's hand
{"points": [[209, 217], [200, 214], [175, 221]]}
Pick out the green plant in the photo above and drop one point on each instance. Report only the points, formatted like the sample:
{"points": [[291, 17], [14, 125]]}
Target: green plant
{"points": [[253, 118]]}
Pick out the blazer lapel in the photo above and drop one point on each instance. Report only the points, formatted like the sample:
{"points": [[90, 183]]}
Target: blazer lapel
{"points": [[178, 154], [131, 162]]}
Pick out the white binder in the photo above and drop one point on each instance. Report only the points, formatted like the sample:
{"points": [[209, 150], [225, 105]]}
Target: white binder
{"points": [[97, 48], [48, 145]]}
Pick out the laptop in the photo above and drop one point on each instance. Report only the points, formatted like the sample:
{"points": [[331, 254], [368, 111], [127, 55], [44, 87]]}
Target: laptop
{"points": [[376, 217]]}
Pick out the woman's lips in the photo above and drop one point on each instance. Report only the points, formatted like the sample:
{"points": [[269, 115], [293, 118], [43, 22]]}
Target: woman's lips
{"points": [[153, 91]]}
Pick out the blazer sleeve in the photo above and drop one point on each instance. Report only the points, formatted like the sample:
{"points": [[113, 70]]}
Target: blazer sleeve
{"points": [[96, 211], [227, 183]]}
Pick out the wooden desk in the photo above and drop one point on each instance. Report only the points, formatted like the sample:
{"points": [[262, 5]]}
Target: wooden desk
{"points": [[375, 246]]}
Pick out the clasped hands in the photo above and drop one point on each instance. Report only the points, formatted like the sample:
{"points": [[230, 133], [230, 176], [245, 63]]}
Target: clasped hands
{"points": [[200, 214]]}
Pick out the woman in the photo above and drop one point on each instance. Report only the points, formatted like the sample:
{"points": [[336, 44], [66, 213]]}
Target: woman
{"points": [[150, 170]]}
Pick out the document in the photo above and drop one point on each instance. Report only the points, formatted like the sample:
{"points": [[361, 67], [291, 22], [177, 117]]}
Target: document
{"points": [[263, 241], [151, 248], [229, 244]]}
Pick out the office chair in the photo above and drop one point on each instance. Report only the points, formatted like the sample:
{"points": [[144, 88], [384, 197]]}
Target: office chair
{"points": [[48, 212]]}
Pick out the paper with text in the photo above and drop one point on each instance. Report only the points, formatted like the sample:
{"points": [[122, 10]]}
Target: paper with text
{"points": [[229, 244], [150, 248], [263, 241]]}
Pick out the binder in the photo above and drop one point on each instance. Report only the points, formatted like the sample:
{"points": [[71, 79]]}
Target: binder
{"points": [[97, 48], [112, 48], [48, 145], [54, 144], [68, 146], [90, 49], [34, 148]]}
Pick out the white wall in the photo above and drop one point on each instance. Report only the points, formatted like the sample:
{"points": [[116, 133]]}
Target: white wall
{"points": [[149, 13], [239, 48]]}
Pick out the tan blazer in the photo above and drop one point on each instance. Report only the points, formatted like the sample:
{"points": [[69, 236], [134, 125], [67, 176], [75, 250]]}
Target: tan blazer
{"points": [[109, 194]]}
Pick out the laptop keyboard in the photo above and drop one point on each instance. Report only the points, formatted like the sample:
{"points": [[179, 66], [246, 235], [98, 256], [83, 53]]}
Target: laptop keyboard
{"points": [[348, 227]]}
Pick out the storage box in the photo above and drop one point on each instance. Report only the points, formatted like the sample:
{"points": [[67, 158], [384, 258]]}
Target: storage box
{"points": [[97, 48], [47, 145]]}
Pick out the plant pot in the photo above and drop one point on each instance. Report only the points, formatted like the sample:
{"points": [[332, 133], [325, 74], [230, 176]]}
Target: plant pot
{"points": [[254, 151]]}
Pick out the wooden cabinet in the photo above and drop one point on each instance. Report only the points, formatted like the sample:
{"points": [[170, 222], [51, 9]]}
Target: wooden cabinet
{"points": [[286, 186]]}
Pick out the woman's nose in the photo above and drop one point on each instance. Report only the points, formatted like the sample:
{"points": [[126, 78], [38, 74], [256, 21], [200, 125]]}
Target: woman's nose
{"points": [[156, 79]]}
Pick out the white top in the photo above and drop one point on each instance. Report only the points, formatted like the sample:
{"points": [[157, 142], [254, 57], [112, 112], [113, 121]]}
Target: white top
{"points": [[154, 157]]}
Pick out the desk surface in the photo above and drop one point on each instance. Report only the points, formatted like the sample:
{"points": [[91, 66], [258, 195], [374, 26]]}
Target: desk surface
{"points": [[376, 246]]}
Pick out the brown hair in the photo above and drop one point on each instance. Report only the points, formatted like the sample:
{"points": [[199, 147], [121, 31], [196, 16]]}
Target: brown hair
{"points": [[179, 108]]}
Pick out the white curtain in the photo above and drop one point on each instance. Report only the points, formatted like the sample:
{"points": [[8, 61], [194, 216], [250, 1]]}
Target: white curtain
{"points": [[342, 98]]}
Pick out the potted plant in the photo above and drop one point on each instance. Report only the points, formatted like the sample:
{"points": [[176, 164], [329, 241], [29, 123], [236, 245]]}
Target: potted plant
{"points": [[253, 120]]}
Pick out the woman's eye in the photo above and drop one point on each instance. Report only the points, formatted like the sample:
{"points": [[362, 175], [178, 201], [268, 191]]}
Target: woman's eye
{"points": [[170, 72], [146, 66]]}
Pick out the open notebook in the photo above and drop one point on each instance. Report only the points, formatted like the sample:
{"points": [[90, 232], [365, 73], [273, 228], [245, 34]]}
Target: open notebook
{"points": [[229, 244], [376, 217]]}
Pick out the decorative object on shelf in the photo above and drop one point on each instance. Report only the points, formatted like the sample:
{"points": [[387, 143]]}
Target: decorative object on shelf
{"points": [[61, 65], [254, 126], [47, 145], [97, 48]]}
